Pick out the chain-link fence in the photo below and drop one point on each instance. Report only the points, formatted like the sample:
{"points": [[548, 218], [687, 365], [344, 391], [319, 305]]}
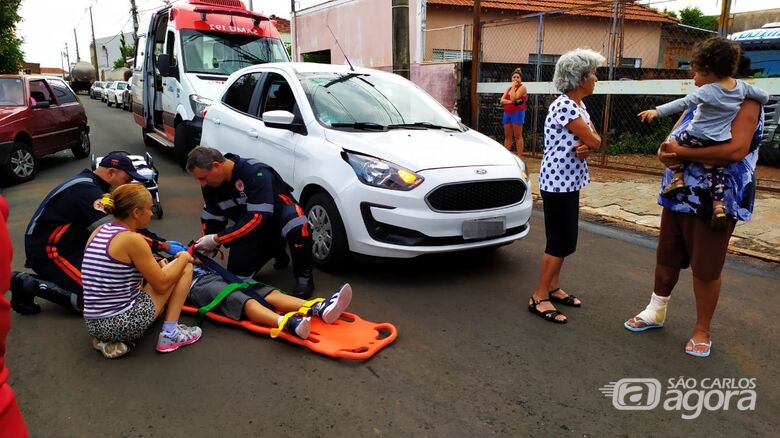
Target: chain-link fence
{"points": [[648, 64]]}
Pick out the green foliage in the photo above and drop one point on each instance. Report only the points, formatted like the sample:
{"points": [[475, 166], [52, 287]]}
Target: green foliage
{"points": [[125, 50], [640, 142], [693, 16], [670, 13], [11, 55]]}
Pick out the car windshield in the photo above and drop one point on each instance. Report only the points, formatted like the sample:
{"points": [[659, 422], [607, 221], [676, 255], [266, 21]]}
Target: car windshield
{"points": [[121, 86], [11, 92], [370, 101], [765, 62], [224, 53]]}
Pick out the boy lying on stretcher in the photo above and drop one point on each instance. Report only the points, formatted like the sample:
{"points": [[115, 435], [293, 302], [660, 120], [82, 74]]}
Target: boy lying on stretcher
{"points": [[207, 284]]}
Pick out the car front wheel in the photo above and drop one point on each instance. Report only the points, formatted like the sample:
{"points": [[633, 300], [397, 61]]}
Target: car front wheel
{"points": [[330, 249], [22, 164], [84, 147]]}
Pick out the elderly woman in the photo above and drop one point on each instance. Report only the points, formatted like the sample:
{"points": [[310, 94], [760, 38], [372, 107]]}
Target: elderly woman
{"points": [[568, 139]]}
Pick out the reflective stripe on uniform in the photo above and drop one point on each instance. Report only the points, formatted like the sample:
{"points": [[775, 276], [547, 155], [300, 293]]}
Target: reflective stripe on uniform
{"points": [[206, 216], [264, 208], [298, 221], [224, 205], [66, 185]]}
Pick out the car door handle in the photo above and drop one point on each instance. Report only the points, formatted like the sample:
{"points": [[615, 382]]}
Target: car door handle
{"points": [[252, 133], [217, 121]]}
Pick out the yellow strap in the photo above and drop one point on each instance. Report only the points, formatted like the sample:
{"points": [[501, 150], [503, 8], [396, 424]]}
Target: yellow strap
{"points": [[306, 307], [275, 332]]}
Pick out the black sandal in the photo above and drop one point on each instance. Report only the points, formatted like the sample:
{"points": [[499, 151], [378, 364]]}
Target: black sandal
{"points": [[568, 300], [549, 315]]}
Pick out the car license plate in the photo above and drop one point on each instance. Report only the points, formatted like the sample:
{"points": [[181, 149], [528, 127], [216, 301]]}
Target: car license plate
{"points": [[484, 228]]}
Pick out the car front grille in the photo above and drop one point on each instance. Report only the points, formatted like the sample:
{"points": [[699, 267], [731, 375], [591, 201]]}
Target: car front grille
{"points": [[477, 195]]}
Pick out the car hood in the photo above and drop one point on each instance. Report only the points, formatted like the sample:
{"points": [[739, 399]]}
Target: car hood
{"points": [[425, 149], [208, 86], [9, 114]]}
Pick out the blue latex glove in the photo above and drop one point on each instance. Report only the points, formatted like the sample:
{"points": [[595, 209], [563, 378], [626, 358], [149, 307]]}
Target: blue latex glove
{"points": [[175, 247]]}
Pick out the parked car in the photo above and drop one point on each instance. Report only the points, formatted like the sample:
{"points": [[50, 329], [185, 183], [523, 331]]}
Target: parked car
{"points": [[381, 167], [114, 93], [127, 97], [106, 87], [96, 90], [38, 116]]}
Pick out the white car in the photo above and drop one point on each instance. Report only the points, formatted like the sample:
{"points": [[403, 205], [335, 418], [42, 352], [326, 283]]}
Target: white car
{"points": [[381, 168], [115, 92]]}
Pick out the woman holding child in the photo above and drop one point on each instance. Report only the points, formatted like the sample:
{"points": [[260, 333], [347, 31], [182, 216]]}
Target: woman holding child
{"points": [[117, 308], [513, 100]]}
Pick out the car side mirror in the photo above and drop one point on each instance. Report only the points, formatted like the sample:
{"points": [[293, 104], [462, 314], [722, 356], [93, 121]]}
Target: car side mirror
{"points": [[282, 120], [42, 104]]}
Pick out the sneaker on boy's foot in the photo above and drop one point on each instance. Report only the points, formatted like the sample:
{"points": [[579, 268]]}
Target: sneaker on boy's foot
{"points": [[110, 349], [330, 309], [184, 335], [299, 325]]}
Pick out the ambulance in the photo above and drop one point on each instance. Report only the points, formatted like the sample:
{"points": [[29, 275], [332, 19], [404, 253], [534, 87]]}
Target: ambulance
{"points": [[183, 60]]}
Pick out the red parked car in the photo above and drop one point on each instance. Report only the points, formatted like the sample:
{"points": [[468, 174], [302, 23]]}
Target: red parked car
{"points": [[38, 116]]}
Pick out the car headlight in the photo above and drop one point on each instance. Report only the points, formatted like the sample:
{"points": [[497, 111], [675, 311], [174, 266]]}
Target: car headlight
{"points": [[199, 104], [523, 169], [380, 173]]}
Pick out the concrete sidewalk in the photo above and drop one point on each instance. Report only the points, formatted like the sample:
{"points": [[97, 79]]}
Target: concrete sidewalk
{"points": [[630, 199]]}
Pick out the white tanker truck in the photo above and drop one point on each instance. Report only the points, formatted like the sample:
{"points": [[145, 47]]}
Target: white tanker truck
{"points": [[82, 76]]}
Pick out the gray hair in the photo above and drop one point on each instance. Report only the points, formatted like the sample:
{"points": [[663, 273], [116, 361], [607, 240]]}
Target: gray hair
{"points": [[574, 66], [202, 157]]}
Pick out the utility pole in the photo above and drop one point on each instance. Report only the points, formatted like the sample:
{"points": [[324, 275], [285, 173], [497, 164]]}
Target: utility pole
{"points": [[401, 38], [67, 55], [94, 45], [476, 42], [251, 8], [134, 12], [293, 32], [723, 23], [78, 57]]}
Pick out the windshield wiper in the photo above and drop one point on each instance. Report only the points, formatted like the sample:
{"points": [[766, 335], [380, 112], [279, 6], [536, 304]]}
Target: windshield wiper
{"points": [[420, 125], [366, 126], [346, 77]]}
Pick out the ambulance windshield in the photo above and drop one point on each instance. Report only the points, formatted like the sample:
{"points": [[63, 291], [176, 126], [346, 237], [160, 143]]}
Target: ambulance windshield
{"points": [[223, 53]]}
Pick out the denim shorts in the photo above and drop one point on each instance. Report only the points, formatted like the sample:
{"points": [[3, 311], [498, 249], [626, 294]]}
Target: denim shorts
{"points": [[517, 118]]}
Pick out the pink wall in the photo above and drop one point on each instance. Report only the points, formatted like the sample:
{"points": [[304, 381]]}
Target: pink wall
{"points": [[363, 27]]}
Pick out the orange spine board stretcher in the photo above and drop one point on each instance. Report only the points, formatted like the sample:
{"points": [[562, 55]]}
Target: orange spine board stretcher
{"points": [[351, 337]]}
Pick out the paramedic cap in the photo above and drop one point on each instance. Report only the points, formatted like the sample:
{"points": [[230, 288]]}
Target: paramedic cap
{"points": [[121, 161]]}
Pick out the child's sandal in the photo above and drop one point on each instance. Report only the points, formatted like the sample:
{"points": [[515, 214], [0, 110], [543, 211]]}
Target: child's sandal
{"points": [[676, 185]]}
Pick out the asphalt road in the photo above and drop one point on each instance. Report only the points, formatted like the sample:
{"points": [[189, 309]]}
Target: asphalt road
{"points": [[469, 361]]}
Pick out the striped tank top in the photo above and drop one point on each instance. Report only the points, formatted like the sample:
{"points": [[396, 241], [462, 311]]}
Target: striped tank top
{"points": [[110, 286]]}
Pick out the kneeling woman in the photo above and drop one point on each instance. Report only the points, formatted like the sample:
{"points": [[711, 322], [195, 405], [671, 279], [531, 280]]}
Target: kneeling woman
{"points": [[117, 309]]}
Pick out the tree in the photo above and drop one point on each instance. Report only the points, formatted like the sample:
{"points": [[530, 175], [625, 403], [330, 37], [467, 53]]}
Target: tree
{"points": [[11, 55], [125, 51], [693, 16], [670, 13]]}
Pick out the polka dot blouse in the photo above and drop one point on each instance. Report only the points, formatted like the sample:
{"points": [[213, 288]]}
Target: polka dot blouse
{"points": [[561, 170]]}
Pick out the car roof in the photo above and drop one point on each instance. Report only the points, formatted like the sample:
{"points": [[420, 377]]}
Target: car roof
{"points": [[313, 67]]}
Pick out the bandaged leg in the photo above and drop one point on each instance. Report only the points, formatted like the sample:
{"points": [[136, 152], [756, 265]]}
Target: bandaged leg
{"points": [[655, 312]]}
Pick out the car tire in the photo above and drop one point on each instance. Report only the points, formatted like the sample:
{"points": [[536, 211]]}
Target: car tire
{"points": [[84, 147], [158, 210], [330, 249], [108, 102], [182, 145], [22, 164]]}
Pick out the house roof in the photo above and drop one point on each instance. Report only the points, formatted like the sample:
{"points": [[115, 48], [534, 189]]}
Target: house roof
{"points": [[52, 70], [593, 8], [282, 24]]}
